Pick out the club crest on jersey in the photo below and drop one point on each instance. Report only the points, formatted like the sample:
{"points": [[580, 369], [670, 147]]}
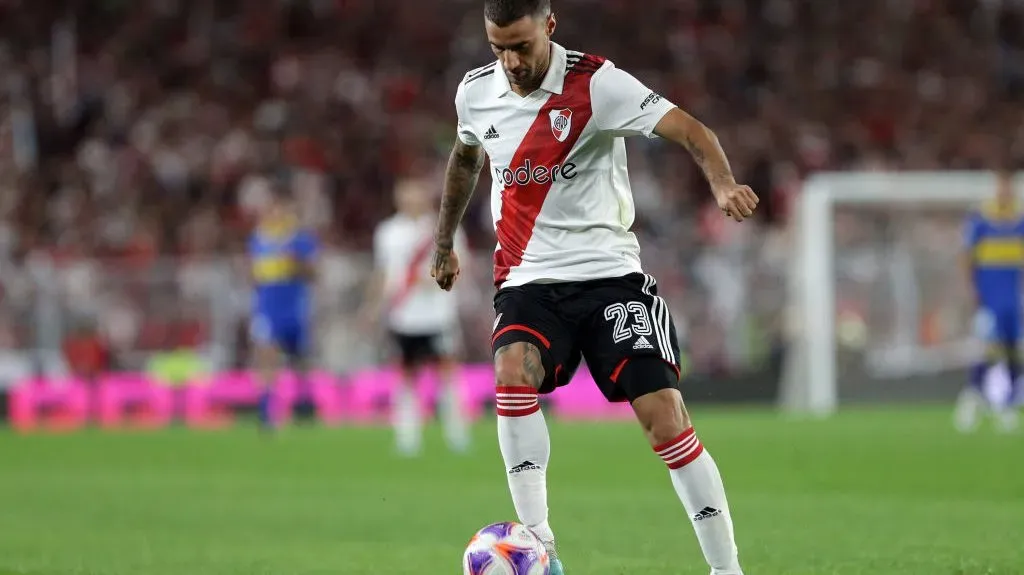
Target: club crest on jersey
{"points": [[561, 123]]}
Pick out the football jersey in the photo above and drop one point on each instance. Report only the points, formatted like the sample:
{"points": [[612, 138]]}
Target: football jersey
{"points": [[403, 248], [560, 195], [277, 252], [995, 241]]}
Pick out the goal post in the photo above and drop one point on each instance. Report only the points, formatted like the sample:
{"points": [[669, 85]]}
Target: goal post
{"points": [[903, 276]]}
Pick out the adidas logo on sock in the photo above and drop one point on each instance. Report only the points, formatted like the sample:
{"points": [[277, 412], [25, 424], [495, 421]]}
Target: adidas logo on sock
{"points": [[642, 343], [706, 513], [491, 134], [524, 466]]}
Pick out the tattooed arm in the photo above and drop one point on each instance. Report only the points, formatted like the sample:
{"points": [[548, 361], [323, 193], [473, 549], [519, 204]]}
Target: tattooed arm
{"points": [[460, 179], [735, 200]]}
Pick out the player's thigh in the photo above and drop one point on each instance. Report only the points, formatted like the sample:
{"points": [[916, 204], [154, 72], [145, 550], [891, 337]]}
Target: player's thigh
{"points": [[443, 346], [264, 334], [293, 339], [1007, 333], [528, 330], [630, 346], [412, 350], [445, 350]]}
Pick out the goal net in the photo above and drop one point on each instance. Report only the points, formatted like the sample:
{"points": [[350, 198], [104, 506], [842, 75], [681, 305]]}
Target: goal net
{"points": [[879, 300]]}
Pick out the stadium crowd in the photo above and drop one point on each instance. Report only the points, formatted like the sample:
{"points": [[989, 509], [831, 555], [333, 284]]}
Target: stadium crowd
{"points": [[133, 134]]}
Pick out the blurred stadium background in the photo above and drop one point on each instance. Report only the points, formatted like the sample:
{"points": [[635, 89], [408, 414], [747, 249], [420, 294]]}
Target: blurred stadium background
{"points": [[133, 139]]}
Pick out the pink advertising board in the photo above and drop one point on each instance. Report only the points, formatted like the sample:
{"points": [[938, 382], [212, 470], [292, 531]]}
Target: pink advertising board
{"points": [[120, 400]]}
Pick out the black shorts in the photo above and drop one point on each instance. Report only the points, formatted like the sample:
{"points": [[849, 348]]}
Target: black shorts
{"points": [[418, 349], [605, 322]]}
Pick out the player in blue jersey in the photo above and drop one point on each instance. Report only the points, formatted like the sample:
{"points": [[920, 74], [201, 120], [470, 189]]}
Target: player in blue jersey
{"points": [[993, 260], [283, 259]]}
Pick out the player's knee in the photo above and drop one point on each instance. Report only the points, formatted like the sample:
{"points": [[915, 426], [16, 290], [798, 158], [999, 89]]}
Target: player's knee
{"points": [[266, 356], [518, 365], [662, 415]]}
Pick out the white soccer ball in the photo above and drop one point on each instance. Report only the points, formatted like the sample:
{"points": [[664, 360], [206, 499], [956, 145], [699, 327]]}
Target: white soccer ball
{"points": [[505, 549]]}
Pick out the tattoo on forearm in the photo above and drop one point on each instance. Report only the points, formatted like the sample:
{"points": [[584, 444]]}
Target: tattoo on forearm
{"points": [[459, 182], [709, 155]]}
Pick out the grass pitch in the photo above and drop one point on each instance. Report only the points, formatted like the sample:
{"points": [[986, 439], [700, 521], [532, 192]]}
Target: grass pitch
{"points": [[868, 492]]}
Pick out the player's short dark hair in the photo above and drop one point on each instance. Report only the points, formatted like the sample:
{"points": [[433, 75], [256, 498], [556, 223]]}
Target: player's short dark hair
{"points": [[504, 12]]}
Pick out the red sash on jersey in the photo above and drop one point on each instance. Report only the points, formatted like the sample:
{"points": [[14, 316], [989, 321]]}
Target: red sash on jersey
{"points": [[413, 271], [547, 143]]}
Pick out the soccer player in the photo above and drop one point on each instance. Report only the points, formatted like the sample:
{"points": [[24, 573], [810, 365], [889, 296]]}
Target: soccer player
{"points": [[567, 269], [422, 321], [283, 260], [992, 260]]}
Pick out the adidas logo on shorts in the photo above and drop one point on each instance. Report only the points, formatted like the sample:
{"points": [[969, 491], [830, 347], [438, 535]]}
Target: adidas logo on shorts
{"points": [[642, 343]]}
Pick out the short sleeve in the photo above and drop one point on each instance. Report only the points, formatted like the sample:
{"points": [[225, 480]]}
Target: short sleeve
{"points": [[623, 105], [466, 133], [972, 231]]}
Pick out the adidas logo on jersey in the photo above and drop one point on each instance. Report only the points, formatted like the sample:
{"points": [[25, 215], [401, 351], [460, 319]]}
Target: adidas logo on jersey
{"points": [[642, 343], [491, 134], [706, 513]]}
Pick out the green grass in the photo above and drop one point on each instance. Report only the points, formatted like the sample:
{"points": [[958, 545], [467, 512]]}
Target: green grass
{"points": [[869, 492]]}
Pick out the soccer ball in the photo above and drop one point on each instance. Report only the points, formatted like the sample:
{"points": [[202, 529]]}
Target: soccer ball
{"points": [[505, 549]]}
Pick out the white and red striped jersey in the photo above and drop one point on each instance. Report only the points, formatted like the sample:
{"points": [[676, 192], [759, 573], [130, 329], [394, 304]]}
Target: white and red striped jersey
{"points": [[403, 248], [560, 194]]}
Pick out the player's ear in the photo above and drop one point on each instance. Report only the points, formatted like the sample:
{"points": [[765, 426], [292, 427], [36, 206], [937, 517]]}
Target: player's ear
{"points": [[549, 25]]}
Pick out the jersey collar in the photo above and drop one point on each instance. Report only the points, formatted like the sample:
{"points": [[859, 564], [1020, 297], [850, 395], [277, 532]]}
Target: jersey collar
{"points": [[553, 79]]}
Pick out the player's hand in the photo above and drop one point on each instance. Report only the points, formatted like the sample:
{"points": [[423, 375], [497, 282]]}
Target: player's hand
{"points": [[445, 268], [736, 201]]}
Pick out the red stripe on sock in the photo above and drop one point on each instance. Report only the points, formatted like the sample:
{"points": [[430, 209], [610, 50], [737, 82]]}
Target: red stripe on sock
{"points": [[680, 451], [516, 401], [518, 413], [518, 389]]}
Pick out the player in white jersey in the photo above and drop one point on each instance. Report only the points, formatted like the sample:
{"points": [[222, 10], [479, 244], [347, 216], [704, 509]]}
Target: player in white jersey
{"points": [[421, 320], [570, 284]]}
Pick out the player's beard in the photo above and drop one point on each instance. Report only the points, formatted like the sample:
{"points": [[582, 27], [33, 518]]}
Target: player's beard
{"points": [[529, 81]]}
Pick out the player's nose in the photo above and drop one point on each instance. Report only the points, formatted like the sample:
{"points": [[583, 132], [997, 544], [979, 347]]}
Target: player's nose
{"points": [[510, 60]]}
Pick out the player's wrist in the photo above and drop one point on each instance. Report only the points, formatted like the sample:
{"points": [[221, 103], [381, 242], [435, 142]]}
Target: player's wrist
{"points": [[720, 186], [444, 244]]}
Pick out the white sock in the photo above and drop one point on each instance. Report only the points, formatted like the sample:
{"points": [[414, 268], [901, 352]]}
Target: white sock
{"points": [[969, 406], [526, 449], [456, 431], [406, 419], [699, 486]]}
